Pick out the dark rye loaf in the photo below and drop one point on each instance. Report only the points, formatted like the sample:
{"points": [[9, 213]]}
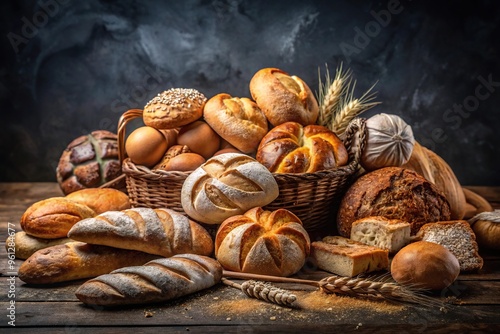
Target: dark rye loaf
{"points": [[395, 193]]}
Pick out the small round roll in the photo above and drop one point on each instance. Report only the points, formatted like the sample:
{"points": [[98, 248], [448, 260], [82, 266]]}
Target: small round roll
{"points": [[283, 98], [239, 121], [174, 108]]}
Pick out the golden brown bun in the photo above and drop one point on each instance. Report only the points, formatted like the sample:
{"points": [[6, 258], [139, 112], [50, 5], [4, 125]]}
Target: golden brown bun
{"points": [[174, 108], [237, 120], [77, 260], [170, 136], [101, 199], [486, 226], [395, 193], [185, 274], [200, 138], [24, 245], [52, 218], [425, 265], [226, 185], [183, 162], [173, 151], [145, 146], [263, 242], [283, 98], [156, 231], [227, 150], [293, 148]]}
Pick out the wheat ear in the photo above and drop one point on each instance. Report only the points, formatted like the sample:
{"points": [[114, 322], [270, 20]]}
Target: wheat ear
{"points": [[331, 93], [264, 291], [352, 107]]}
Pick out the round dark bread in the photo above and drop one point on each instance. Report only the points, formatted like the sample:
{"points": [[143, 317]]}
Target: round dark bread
{"points": [[395, 193]]}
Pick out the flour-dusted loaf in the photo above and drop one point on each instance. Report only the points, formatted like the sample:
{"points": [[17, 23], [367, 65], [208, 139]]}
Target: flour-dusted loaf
{"points": [[346, 257], [24, 245], [77, 260], [390, 234], [162, 232], [157, 281], [226, 185], [458, 237], [395, 193], [53, 217], [263, 242]]}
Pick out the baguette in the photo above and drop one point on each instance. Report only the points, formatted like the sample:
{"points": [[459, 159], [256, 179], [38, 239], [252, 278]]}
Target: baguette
{"points": [[157, 281], [77, 260], [25, 245], [156, 231]]}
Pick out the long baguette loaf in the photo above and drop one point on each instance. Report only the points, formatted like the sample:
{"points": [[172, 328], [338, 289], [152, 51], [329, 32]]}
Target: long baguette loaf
{"points": [[77, 260], [25, 245], [156, 281], [162, 232]]}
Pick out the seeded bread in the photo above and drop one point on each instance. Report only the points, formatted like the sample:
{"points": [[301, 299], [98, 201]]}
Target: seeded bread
{"points": [[458, 237], [390, 234], [346, 257]]}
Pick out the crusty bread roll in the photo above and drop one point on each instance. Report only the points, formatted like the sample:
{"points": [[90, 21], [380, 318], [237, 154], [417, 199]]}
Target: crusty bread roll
{"points": [[183, 162], [425, 265], [395, 193], [77, 260], [25, 245], [283, 98], [163, 232], [146, 145], [346, 257], [226, 185], [458, 237], [52, 218], [486, 226], [262, 242], [390, 234], [156, 281], [174, 108], [293, 148], [101, 199], [173, 151], [200, 138], [237, 120]]}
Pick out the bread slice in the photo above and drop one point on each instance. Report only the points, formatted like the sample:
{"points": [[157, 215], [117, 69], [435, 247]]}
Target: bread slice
{"points": [[378, 231], [458, 237], [346, 257]]}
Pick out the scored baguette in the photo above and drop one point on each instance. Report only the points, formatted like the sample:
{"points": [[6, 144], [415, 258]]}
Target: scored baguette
{"points": [[156, 281], [24, 245], [77, 260], [162, 232]]}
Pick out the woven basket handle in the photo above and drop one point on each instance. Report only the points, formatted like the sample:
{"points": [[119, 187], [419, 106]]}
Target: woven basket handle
{"points": [[354, 138], [122, 125]]}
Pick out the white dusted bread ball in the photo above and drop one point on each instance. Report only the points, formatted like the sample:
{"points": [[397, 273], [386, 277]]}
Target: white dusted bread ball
{"points": [[226, 185]]}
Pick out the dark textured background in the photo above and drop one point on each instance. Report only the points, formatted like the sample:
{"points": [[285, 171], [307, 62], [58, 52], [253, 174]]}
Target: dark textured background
{"points": [[89, 61]]}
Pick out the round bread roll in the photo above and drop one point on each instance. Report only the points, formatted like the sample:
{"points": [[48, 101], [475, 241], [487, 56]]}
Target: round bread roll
{"points": [[262, 242], [293, 148], [226, 185], [425, 265], [237, 120], [174, 108], [227, 150], [200, 138], [183, 162], [173, 151], [283, 98], [145, 146], [395, 193], [486, 226]]}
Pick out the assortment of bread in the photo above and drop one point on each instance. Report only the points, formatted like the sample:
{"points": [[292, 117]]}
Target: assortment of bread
{"points": [[398, 207]]}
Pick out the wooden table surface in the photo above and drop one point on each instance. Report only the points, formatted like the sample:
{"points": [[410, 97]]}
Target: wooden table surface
{"points": [[472, 303]]}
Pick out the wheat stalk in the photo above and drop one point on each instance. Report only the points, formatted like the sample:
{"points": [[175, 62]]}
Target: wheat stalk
{"points": [[352, 107], [331, 93], [263, 291]]}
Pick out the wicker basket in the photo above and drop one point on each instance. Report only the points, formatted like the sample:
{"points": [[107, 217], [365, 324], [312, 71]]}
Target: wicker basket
{"points": [[309, 195]]}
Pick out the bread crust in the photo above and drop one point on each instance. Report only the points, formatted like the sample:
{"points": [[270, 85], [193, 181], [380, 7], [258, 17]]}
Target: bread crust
{"points": [[174, 108], [239, 121], [25, 245], [77, 260], [283, 98], [395, 193], [293, 148], [101, 199]]}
